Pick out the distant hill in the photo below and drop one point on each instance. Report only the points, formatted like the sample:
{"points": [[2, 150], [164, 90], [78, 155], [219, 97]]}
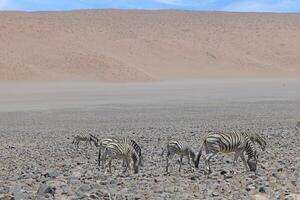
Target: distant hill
{"points": [[114, 45]]}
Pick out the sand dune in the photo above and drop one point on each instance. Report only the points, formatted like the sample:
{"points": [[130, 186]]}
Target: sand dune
{"points": [[113, 45]]}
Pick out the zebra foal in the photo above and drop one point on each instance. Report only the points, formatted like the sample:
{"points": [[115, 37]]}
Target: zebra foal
{"points": [[226, 142], [121, 149], [104, 142], [176, 147], [87, 138]]}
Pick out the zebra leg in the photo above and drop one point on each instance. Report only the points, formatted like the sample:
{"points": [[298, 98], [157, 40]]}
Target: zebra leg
{"points": [[127, 165], [167, 167], [236, 156], [180, 163], [207, 161], [140, 161], [244, 160], [124, 162], [169, 156], [109, 165], [103, 159], [99, 156], [189, 162]]}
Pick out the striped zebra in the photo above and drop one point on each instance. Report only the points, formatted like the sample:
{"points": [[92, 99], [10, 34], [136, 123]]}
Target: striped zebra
{"points": [[121, 149], [176, 147], [254, 137], [297, 127], [87, 138], [227, 142], [106, 141]]}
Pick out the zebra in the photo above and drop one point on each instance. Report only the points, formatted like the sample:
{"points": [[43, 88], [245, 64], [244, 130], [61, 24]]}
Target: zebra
{"points": [[121, 149], [227, 142], [297, 127], [176, 147], [133, 143], [87, 138], [254, 137]]}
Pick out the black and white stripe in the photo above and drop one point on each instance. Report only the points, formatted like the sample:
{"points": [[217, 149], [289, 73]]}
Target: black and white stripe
{"points": [[106, 141], [87, 138], [121, 149], [256, 138], [226, 142], [177, 147]]}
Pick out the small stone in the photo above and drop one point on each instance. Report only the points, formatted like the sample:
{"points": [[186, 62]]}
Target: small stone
{"points": [[215, 194], [262, 189], [250, 187], [85, 188], [223, 172], [51, 174], [228, 177]]}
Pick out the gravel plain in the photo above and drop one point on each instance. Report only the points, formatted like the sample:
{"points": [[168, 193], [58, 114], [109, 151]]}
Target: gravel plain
{"points": [[38, 161]]}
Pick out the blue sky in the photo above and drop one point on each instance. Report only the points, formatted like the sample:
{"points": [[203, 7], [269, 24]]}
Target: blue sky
{"points": [[208, 5]]}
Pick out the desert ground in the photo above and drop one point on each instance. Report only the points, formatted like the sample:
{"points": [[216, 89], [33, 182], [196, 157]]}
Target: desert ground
{"points": [[38, 121]]}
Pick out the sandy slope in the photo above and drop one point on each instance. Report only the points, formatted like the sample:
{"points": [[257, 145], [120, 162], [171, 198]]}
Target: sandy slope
{"points": [[145, 45]]}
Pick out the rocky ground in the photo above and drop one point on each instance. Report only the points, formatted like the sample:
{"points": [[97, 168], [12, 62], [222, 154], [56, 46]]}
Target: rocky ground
{"points": [[38, 161]]}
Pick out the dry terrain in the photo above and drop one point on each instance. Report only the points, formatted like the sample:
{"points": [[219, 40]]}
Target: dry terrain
{"points": [[133, 45], [37, 122]]}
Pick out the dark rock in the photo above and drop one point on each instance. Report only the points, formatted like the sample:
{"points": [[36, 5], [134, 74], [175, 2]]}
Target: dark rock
{"points": [[45, 189], [280, 170], [223, 172], [262, 189]]}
